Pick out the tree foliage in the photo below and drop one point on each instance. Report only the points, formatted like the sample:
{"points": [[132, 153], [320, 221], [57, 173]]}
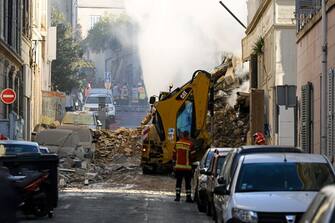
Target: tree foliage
{"points": [[111, 32], [69, 70]]}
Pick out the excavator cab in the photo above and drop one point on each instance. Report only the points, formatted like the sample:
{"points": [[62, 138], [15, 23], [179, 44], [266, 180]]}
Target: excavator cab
{"points": [[183, 109]]}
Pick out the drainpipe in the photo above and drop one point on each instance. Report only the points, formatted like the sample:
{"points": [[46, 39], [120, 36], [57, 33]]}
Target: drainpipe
{"points": [[324, 93]]}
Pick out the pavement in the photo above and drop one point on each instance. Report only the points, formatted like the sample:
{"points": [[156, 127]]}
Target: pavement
{"points": [[122, 207]]}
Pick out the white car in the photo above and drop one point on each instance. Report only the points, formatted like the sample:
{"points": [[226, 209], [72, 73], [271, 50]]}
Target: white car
{"points": [[273, 184], [97, 102]]}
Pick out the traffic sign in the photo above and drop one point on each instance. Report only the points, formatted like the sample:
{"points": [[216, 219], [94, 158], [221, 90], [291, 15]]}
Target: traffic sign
{"points": [[8, 96]]}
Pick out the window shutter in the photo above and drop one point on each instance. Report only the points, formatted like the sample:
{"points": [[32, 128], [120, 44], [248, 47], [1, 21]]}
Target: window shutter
{"points": [[306, 117], [330, 114]]}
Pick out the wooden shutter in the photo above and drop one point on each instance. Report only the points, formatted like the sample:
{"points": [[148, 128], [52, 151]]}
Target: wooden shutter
{"points": [[306, 117]]}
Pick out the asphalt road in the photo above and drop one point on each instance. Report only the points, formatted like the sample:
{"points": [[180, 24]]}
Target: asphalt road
{"points": [[79, 207], [128, 119]]}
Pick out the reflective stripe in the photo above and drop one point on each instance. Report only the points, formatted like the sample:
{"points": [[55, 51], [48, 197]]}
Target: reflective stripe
{"points": [[187, 167], [183, 151]]}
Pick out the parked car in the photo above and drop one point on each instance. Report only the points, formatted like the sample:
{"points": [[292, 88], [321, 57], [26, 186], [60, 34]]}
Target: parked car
{"points": [[63, 142], [212, 173], [322, 208], [44, 149], [269, 184], [14, 147], [101, 103], [200, 178], [81, 119]]}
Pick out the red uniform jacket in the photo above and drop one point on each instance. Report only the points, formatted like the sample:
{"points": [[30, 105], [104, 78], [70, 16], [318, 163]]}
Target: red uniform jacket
{"points": [[183, 155]]}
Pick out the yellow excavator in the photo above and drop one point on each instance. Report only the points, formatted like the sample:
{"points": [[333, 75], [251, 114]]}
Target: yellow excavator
{"points": [[183, 109]]}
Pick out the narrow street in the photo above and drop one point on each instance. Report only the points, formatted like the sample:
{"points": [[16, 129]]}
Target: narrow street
{"points": [[128, 119], [122, 207]]}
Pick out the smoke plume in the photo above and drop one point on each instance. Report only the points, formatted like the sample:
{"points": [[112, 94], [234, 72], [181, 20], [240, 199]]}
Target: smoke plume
{"points": [[177, 37]]}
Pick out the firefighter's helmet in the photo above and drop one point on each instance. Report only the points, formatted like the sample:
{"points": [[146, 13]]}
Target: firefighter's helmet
{"points": [[259, 138]]}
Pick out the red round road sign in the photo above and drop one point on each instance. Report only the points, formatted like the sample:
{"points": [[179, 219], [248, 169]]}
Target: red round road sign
{"points": [[8, 96]]}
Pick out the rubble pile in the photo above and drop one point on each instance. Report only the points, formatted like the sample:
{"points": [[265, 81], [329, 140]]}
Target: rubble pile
{"points": [[230, 124], [113, 143], [116, 152]]}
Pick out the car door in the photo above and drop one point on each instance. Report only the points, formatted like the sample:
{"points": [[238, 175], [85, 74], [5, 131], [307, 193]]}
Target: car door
{"points": [[228, 176], [211, 178], [225, 173]]}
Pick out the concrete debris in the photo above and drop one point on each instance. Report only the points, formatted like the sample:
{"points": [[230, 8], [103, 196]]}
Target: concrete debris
{"points": [[116, 152], [230, 122]]}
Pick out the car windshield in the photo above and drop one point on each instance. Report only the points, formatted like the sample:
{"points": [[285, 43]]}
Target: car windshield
{"points": [[13, 149], [78, 119], [98, 100], [255, 177]]}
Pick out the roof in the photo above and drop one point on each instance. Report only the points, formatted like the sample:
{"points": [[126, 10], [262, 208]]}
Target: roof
{"points": [[222, 151], [18, 142], [281, 157], [268, 149]]}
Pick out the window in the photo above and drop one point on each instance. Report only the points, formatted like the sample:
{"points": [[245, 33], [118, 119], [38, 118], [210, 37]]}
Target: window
{"points": [[219, 164], [12, 149], [2, 18], [98, 100], [26, 18], [306, 117], [185, 119], [284, 176], [158, 123], [209, 158], [227, 168], [94, 20]]}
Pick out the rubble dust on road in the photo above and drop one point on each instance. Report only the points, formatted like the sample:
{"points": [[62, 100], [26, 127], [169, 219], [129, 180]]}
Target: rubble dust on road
{"points": [[116, 165]]}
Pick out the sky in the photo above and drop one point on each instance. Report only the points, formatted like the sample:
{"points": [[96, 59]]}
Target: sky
{"points": [[177, 37]]}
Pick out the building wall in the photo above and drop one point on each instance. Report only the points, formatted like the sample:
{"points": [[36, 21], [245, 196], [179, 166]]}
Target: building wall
{"points": [[274, 21], [88, 12], [309, 65], [252, 6], [41, 69]]}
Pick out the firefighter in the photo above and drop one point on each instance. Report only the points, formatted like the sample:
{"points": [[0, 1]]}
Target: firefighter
{"points": [[141, 94], [183, 158], [259, 138]]}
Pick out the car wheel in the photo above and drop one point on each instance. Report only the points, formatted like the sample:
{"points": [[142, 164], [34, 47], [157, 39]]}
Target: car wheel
{"points": [[201, 206]]}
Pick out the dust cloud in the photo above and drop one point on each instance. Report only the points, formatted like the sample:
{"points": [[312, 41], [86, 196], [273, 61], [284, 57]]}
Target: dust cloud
{"points": [[177, 37]]}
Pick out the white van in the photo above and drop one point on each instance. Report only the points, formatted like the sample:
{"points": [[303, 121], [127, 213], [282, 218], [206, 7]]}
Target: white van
{"points": [[105, 101]]}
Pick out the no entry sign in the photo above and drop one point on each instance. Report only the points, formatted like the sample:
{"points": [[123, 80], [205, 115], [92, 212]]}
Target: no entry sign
{"points": [[8, 96]]}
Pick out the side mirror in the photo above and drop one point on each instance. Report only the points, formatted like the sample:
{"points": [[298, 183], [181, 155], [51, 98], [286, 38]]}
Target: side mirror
{"points": [[152, 100], [221, 180], [221, 190]]}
